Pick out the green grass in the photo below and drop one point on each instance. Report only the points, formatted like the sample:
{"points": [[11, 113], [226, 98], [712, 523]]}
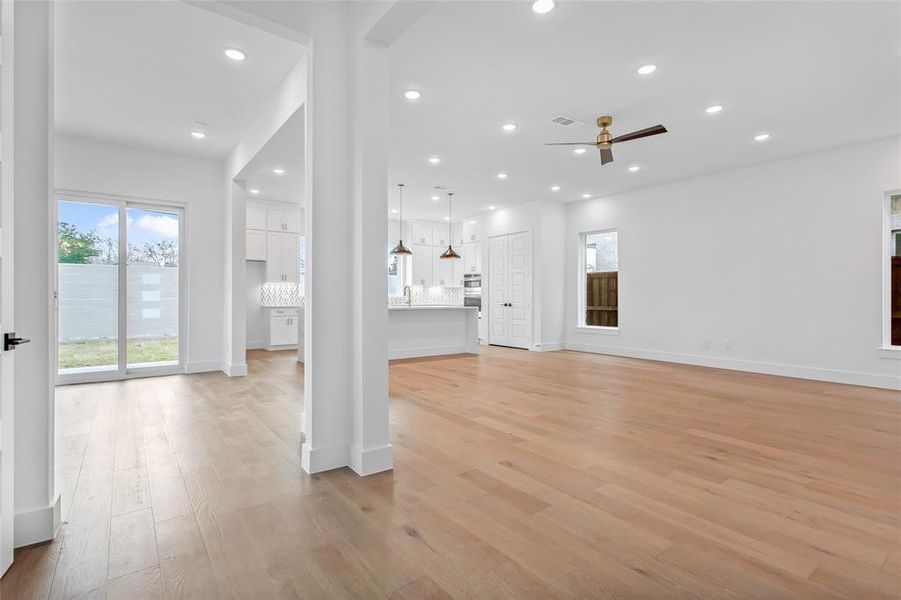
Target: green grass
{"points": [[104, 352]]}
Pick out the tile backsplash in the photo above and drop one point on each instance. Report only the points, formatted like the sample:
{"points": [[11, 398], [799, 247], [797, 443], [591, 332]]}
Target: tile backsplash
{"points": [[433, 295]]}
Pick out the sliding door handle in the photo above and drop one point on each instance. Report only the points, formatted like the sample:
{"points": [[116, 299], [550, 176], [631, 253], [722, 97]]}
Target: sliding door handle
{"points": [[10, 341]]}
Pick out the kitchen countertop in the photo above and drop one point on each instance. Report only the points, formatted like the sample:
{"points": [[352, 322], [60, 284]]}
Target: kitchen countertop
{"points": [[431, 307]]}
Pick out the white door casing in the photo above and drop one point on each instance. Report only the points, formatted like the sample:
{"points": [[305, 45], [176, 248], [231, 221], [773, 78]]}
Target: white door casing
{"points": [[497, 294]]}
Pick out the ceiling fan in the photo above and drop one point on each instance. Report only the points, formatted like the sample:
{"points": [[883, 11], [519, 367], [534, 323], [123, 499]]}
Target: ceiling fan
{"points": [[606, 140]]}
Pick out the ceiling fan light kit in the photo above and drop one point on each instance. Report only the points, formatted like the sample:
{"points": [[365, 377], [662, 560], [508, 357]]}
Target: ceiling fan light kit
{"points": [[605, 140]]}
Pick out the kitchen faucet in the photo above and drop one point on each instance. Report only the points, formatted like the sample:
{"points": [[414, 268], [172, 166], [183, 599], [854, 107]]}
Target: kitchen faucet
{"points": [[408, 295]]}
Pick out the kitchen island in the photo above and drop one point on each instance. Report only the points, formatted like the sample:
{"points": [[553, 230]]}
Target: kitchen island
{"points": [[432, 330]]}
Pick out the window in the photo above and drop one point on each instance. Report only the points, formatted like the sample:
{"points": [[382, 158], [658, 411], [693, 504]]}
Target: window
{"points": [[599, 279], [894, 247], [395, 274]]}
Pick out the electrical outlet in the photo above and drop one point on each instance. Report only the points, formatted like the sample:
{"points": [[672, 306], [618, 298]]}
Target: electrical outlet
{"points": [[706, 342], [727, 344]]}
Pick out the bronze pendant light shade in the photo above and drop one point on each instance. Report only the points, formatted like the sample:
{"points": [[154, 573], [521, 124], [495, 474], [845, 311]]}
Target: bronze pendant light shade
{"points": [[450, 253], [400, 249]]}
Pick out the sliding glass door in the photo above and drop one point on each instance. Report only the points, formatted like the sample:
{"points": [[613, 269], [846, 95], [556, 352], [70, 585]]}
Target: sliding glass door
{"points": [[119, 286]]}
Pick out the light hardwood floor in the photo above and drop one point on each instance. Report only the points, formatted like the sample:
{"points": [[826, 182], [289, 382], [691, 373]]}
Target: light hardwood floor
{"points": [[518, 475]]}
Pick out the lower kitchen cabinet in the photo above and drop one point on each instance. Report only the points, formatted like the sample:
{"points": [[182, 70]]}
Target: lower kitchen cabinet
{"points": [[283, 327]]}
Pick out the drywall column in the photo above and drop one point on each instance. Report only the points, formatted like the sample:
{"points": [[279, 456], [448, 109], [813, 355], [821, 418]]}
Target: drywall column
{"points": [[346, 359], [36, 504], [235, 324], [370, 451]]}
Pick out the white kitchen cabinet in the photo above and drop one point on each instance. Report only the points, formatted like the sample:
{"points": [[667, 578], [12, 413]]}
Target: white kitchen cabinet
{"points": [[470, 231], [255, 245], [421, 232], [472, 257], [283, 327], [256, 218], [442, 270], [422, 263], [457, 234], [282, 257], [441, 236], [283, 220]]}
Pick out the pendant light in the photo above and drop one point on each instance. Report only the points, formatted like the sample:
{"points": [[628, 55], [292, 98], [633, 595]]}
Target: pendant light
{"points": [[400, 249], [450, 253]]}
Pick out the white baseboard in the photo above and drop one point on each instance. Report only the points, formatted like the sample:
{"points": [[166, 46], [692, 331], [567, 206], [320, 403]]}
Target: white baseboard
{"points": [[317, 460], [236, 370], [203, 366], [548, 347], [374, 460], [254, 345], [816, 373], [269, 348], [431, 351], [37, 525]]}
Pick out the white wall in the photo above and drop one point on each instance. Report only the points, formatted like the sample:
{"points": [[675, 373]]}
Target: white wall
{"points": [[782, 260], [256, 329], [130, 172]]}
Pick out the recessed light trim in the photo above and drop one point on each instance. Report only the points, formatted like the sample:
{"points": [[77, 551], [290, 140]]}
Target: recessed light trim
{"points": [[235, 54], [254, 191], [646, 69], [586, 196], [508, 127], [761, 137], [580, 151], [542, 7], [712, 110], [412, 94], [198, 135], [434, 160], [501, 176], [634, 169], [436, 198], [555, 188], [278, 171]]}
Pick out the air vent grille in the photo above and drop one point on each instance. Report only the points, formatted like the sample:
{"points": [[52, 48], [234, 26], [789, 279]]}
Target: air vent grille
{"points": [[565, 121]]}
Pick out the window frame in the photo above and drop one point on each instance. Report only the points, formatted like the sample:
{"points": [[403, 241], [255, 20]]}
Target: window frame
{"points": [[582, 277], [888, 241]]}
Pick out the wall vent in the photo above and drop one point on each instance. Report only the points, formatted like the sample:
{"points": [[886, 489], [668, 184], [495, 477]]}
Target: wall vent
{"points": [[565, 121]]}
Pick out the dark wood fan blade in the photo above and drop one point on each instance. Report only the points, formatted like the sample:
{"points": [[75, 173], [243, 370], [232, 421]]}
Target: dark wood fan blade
{"points": [[648, 131], [606, 156], [573, 144]]}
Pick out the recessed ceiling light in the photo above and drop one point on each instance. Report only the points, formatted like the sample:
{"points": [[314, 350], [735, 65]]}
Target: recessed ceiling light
{"points": [[472, 222], [501, 175], [646, 69], [434, 160], [235, 54], [447, 218], [586, 195], [509, 126], [254, 191], [436, 198], [761, 137], [579, 151], [634, 168], [543, 6], [712, 110], [412, 94], [555, 188], [278, 171], [393, 211], [198, 135], [491, 207]]}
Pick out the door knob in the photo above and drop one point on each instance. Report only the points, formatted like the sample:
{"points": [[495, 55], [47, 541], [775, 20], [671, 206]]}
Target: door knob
{"points": [[10, 341]]}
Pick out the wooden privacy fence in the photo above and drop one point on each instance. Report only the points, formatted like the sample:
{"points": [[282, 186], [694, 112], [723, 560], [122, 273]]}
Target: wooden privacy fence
{"points": [[601, 304]]}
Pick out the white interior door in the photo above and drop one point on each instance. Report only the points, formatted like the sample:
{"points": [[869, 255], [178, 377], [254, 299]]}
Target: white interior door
{"points": [[510, 290], [6, 304], [498, 330], [519, 290]]}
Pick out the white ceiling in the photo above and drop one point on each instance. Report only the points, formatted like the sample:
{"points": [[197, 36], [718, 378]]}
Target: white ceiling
{"points": [[284, 150], [143, 72], [814, 75]]}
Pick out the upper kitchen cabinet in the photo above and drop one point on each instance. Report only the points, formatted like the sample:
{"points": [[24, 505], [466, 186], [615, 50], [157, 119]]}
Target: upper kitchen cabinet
{"points": [[472, 257], [255, 245], [470, 231], [421, 232], [457, 233], [256, 218], [422, 264], [282, 257], [283, 220]]}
